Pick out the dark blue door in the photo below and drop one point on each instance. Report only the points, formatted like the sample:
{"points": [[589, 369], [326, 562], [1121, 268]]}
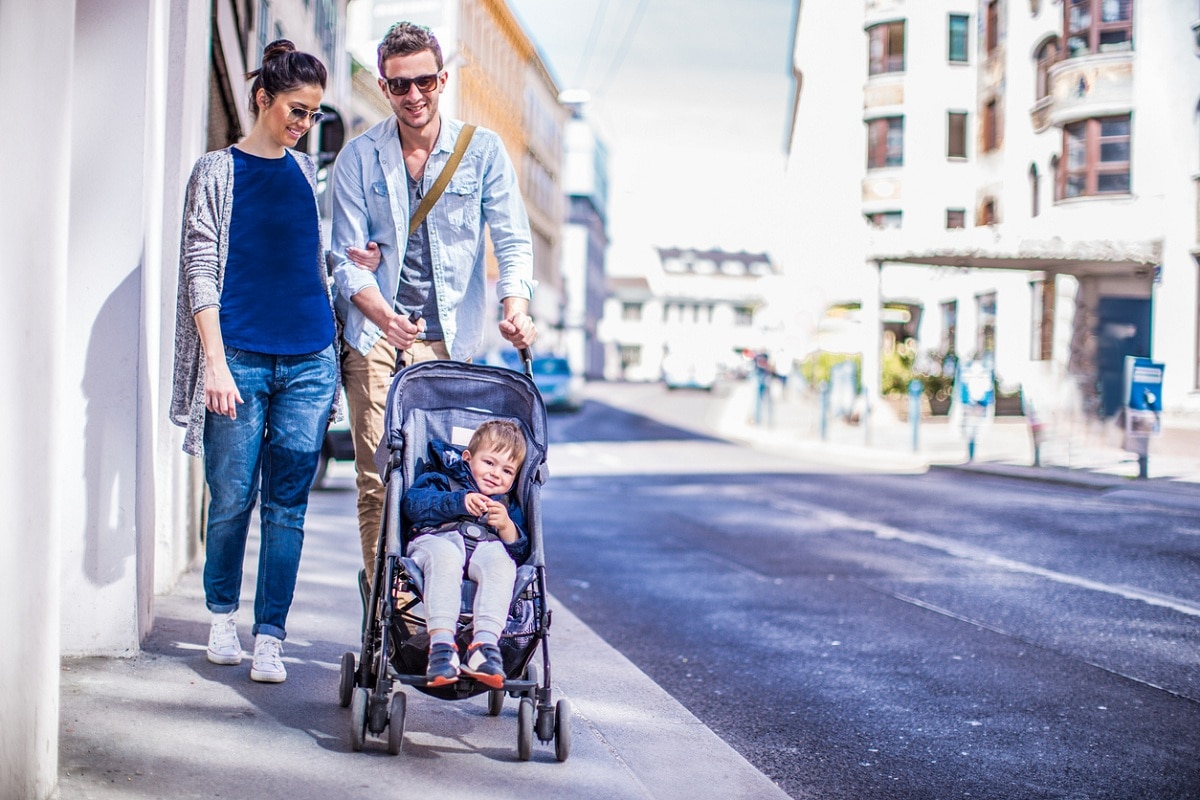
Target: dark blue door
{"points": [[1123, 329]]}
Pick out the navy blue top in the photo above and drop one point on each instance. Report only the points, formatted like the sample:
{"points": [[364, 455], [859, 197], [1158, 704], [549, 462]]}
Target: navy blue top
{"points": [[274, 300]]}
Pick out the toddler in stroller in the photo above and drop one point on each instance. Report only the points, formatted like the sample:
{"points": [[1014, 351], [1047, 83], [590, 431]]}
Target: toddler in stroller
{"points": [[427, 601], [462, 521]]}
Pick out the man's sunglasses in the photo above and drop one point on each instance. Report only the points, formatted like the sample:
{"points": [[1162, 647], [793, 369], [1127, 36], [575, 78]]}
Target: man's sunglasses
{"points": [[402, 86]]}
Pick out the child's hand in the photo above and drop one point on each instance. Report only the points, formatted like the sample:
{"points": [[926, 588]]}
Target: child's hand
{"points": [[497, 517], [477, 504]]}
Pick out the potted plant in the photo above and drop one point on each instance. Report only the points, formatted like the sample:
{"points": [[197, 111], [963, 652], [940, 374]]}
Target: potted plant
{"points": [[935, 369]]}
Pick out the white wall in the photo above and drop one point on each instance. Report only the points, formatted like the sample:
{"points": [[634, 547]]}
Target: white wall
{"points": [[826, 160], [36, 71]]}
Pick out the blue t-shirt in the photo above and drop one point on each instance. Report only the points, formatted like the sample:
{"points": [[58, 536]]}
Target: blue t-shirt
{"points": [[273, 299]]}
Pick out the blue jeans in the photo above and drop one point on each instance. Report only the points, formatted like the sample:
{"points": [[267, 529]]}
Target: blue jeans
{"points": [[271, 448]]}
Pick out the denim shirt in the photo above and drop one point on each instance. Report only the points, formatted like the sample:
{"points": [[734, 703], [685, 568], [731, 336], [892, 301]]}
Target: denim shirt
{"points": [[370, 204]]}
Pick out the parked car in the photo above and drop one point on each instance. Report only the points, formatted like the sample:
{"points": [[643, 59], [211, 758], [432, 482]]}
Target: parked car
{"points": [[337, 446], [681, 371], [561, 389]]}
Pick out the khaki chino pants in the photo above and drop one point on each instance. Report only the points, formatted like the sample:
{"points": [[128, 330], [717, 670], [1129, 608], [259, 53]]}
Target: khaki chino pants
{"points": [[367, 380]]}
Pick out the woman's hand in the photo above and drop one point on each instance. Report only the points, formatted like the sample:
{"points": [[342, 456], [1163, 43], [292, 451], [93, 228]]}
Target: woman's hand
{"points": [[367, 258], [221, 394]]}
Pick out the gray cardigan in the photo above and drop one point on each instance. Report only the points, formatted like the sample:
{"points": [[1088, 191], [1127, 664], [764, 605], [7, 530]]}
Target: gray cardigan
{"points": [[203, 250]]}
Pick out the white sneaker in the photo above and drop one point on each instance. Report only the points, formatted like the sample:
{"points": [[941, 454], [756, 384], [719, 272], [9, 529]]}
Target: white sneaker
{"points": [[224, 647], [268, 664]]}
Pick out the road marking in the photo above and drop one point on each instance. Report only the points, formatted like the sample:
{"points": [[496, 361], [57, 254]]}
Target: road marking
{"points": [[970, 553]]}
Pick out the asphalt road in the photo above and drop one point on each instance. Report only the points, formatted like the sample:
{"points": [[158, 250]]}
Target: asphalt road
{"points": [[856, 635]]}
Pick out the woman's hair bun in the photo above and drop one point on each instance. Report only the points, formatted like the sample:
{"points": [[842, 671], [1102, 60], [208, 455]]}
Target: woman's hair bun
{"points": [[277, 48]]}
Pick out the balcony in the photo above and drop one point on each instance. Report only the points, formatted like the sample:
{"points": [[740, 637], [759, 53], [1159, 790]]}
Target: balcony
{"points": [[1088, 86]]}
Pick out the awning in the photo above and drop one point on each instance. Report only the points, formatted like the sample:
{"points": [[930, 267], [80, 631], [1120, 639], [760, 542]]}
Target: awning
{"points": [[982, 249]]}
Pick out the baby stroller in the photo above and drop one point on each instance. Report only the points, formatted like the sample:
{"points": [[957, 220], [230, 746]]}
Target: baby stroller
{"points": [[446, 401]]}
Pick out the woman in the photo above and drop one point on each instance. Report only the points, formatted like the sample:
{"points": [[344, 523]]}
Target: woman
{"points": [[256, 367]]}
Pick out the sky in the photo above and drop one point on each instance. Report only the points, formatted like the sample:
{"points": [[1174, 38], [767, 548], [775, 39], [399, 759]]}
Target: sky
{"points": [[691, 99]]}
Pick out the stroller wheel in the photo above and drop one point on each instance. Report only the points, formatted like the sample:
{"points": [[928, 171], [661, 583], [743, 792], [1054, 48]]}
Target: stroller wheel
{"points": [[495, 702], [533, 673], [544, 724], [525, 729], [358, 719], [562, 729], [346, 685], [396, 723]]}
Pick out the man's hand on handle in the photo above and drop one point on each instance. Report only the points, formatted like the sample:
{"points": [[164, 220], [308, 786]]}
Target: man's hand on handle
{"points": [[517, 326]]}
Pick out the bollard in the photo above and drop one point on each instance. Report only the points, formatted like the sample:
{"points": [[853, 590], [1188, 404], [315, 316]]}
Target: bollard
{"points": [[824, 410], [915, 387]]}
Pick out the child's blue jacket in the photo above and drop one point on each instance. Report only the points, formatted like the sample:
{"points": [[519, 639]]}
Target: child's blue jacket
{"points": [[433, 500]]}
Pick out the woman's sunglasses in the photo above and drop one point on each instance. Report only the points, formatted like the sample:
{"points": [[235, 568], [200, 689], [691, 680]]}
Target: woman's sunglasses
{"points": [[299, 113], [402, 86]]}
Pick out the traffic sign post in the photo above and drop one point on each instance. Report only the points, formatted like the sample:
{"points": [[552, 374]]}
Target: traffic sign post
{"points": [[975, 392], [1143, 408]]}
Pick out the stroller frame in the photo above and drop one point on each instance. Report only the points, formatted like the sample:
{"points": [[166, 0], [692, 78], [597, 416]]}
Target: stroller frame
{"points": [[393, 651]]}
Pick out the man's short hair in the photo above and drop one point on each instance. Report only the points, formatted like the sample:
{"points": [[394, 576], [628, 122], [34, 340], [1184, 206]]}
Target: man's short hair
{"points": [[406, 39]]}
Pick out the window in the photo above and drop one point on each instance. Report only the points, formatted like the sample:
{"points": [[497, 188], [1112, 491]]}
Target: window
{"points": [[987, 212], [956, 218], [1035, 186], [957, 36], [1047, 54], [631, 311], [884, 220], [949, 325], [743, 316], [886, 47], [956, 134], [992, 32], [1097, 26], [631, 355], [885, 142], [991, 127], [985, 335], [1096, 157]]}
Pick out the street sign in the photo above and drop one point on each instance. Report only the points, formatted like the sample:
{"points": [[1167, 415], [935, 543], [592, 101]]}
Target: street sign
{"points": [[1143, 399]]}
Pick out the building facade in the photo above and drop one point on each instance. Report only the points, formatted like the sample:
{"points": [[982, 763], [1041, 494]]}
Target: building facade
{"points": [[706, 306], [1017, 169], [101, 507], [585, 245]]}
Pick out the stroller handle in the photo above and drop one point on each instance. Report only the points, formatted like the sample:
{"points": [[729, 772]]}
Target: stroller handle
{"points": [[413, 316], [526, 361]]}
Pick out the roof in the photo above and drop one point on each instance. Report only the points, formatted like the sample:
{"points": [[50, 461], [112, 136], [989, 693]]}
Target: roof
{"points": [[716, 262]]}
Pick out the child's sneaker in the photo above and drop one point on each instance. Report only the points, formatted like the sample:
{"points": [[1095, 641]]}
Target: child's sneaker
{"points": [[485, 665], [443, 665], [268, 662], [224, 647]]}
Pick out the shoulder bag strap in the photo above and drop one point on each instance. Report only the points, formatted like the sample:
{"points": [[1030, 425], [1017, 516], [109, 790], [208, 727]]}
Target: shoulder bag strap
{"points": [[439, 186]]}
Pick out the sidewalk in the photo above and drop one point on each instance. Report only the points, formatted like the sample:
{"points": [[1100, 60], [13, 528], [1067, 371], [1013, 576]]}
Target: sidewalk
{"points": [[168, 724], [1088, 456]]}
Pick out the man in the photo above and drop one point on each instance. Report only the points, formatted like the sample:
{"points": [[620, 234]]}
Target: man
{"points": [[438, 271]]}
